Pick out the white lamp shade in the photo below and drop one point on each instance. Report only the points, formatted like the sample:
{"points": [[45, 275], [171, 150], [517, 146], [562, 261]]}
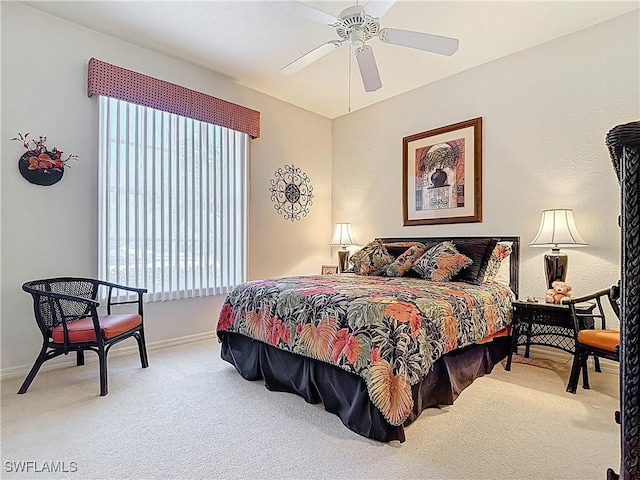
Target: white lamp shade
{"points": [[558, 229], [342, 235]]}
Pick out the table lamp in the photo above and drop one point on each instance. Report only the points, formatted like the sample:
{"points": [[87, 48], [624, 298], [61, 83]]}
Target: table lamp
{"points": [[342, 236], [557, 229]]}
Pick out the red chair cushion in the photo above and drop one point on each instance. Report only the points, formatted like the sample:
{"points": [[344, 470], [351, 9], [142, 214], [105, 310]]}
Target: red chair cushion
{"points": [[82, 330], [603, 339]]}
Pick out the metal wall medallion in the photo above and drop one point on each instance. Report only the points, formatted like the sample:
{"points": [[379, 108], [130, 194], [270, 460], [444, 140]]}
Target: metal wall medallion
{"points": [[291, 192]]}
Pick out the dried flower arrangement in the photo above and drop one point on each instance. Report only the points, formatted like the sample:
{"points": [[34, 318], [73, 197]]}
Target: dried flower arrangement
{"points": [[38, 157]]}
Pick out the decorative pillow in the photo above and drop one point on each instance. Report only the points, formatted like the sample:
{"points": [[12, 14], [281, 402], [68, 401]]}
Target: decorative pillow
{"points": [[396, 249], [441, 262], [405, 261], [372, 259], [502, 251], [503, 277], [479, 250]]}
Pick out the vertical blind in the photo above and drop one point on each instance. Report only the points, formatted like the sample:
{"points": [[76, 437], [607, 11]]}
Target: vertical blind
{"points": [[172, 202]]}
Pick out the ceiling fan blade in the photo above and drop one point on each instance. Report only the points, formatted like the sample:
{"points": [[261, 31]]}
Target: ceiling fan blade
{"points": [[368, 69], [314, 14], [419, 40], [310, 57], [377, 8]]}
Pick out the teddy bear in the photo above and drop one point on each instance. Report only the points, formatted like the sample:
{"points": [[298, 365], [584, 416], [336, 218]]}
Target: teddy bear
{"points": [[558, 292]]}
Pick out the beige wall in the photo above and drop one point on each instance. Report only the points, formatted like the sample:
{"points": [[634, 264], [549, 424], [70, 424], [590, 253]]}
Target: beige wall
{"points": [[545, 113], [53, 231]]}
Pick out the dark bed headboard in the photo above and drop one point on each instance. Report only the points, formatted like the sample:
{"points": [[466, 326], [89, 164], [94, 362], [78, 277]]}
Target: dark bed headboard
{"points": [[514, 274]]}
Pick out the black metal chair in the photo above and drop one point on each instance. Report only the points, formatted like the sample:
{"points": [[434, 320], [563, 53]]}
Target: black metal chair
{"points": [[66, 311], [599, 342]]}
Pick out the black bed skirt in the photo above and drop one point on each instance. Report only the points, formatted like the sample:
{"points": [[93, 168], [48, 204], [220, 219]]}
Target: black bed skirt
{"points": [[345, 394]]}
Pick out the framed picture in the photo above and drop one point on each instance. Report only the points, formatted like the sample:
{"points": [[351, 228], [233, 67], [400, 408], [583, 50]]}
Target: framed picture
{"points": [[442, 175], [329, 269]]}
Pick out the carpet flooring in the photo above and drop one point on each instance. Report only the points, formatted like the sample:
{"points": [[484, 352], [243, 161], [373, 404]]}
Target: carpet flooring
{"points": [[190, 415]]}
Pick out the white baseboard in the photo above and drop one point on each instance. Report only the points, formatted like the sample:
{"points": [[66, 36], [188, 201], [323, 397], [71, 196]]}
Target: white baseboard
{"points": [[555, 355], [70, 360]]}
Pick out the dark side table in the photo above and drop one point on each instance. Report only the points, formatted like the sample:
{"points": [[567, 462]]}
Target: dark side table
{"points": [[545, 324]]}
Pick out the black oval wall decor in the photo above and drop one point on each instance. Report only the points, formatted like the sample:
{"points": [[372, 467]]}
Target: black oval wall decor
{"points": [[39, 176]]}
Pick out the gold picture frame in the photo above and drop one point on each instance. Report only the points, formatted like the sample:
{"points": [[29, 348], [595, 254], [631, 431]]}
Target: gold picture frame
{"points": [[329, 269], [442, 175]]}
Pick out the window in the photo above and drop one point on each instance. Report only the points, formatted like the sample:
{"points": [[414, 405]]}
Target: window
{"points": [[172, 202]]}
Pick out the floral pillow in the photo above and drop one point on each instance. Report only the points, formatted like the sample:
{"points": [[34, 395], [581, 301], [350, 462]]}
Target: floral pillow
{"points": [[441, 262], [372, 259], [502, 251], [398, 248], [405, 260]]}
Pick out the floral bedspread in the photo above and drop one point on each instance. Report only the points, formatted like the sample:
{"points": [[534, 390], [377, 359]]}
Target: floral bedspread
{"points": [[387, 330]]}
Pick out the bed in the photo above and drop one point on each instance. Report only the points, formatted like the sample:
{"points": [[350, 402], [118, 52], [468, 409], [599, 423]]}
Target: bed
{"points": [[376, 350]]}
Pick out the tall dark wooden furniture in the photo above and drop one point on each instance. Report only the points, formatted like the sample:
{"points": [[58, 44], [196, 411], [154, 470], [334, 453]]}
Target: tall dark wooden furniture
{"points": [[66, 311], [624, 147]]}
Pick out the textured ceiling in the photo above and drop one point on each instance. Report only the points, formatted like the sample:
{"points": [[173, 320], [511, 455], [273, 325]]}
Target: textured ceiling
{"points": [[249, 41]]}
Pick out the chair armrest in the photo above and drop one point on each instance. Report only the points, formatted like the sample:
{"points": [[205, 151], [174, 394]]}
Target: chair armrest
{"points": [[122, 287], [63, 308], [586, 298], [111, 286], [593, 315]]}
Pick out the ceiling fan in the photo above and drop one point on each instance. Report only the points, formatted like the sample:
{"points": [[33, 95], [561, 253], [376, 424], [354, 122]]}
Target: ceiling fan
{"points": [[357, 25]]}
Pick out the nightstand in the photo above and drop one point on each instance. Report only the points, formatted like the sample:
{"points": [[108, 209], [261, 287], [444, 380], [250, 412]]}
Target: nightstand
{"points": [[545, 324]]}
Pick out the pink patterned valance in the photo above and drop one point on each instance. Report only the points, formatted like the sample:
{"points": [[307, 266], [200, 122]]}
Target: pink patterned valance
{"points": [[117, 82]]}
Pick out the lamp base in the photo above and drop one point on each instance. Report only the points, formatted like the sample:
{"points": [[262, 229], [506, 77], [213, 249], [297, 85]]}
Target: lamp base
{"points": [[343, 260], [555, 266]]}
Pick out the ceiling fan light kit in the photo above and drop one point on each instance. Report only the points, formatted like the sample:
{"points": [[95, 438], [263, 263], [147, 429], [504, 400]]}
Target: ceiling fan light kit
{"points": [[357, 25]]}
